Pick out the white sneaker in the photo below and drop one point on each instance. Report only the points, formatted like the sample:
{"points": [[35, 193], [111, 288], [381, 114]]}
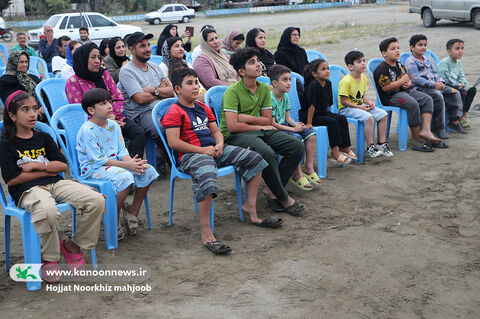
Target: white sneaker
{"points": [[373, 151], [385, 150]]}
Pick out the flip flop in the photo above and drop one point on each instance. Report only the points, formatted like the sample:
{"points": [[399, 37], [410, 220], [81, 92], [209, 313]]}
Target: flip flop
{"points": [[275, 205], [423, 148], [312, 178], [351, 155], [301, 183], [74, 261], [270, 222], [218, 247], [50, 266], [440, 144], [296, 209], [342, 159]]}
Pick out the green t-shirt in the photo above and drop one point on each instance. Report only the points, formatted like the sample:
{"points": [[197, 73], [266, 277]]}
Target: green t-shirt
{"points": [[238, 98], [30, 51], [352, 89], [279, 108]]}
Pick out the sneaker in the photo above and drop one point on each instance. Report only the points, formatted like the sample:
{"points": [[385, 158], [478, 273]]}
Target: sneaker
{"points": [[385, 150], [373, 151], [457, 128]]}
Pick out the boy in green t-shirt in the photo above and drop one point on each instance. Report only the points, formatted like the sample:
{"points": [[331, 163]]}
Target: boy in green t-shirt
{"points": [[245, 121]]}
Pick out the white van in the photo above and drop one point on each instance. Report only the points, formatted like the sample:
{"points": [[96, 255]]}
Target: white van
{"points": [[456, 10]]}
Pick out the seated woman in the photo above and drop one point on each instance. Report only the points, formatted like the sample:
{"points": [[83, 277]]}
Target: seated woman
{"points": [[232, 42], [89, 75], [212, 65], [103, 48], [16, 76], [256, 39], [67, 70], [169, 31], [289, 53], [172, 50], [117, 57]]}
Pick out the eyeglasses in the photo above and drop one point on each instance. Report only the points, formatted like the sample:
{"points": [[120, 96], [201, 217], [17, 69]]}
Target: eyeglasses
{"points": [[296, 35]]}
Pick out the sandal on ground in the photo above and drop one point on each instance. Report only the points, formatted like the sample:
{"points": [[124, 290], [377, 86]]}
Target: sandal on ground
{"points": [[351, 155], [302, 183], [342, 159], [270, 222], [427, 148], [440, 144], [218, 247], [296, 209], [464, 123], [120, 233], [53, 269], [74, 261], [130, 220], [275, 205], [312, 178]]}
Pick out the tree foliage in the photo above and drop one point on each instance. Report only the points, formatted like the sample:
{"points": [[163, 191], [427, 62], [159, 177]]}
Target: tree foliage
{"points": [[4, 4]]}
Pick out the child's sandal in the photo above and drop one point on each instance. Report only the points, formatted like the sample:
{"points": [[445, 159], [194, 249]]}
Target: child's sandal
{"points": [[120, 233], [130, 220], [342, 159], [351, 155], [74, 261], [312, 178]]}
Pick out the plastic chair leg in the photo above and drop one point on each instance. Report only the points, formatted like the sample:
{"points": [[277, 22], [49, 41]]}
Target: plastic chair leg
{"points": [[147, 212], [212, 216], [7, 220], [170, 209], [402, 130], [31, 248], [322, 150], [110, 220], [360, 142], [151, 151], [74, 222], [238, 188], [389, 121], [93, 255]]}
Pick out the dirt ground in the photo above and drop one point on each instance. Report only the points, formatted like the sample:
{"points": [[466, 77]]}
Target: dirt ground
{"points": [[387, 239]]}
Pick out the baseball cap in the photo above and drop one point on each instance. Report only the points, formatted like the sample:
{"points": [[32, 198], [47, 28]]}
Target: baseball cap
{"points": [[138, 36]]}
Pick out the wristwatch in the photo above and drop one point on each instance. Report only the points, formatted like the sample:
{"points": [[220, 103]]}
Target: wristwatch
{"points": [[157, 92]]}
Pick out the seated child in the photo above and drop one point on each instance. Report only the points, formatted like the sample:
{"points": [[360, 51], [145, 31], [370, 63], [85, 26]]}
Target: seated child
{"points": [[281, 82], [245, 121], [102, 155], [182, 64], [30, 162], [316, 101], [393, 86], [192, 131], [427, 80], [450, 69], [352, 102]]}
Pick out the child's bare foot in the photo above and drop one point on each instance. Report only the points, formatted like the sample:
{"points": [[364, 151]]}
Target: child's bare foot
{"points": [[252, 212], [428, 136], [207, 235]]}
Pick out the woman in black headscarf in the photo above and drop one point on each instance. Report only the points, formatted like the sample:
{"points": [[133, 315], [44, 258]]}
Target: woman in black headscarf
{"points": [[256, 39], [289, 53], [117, 57], [169, 31], [104, 50]]}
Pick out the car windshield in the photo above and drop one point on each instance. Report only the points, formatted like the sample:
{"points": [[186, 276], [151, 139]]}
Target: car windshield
{"points": [[161, 8], [52, 21]]}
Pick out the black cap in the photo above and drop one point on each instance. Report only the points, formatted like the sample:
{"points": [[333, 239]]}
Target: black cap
{"points": [[138, 36]]}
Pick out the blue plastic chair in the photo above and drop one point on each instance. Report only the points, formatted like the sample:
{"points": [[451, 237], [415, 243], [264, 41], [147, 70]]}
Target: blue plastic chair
{"points": [[54, 91], [161, 109], [402, 125], [336, 74], [154, 49], [34, 69], [156, 59], [58, 75], [189, 58], [4, 50], [30, 239], [71, 117], [264, 79], [429, 54], [313, 55]]}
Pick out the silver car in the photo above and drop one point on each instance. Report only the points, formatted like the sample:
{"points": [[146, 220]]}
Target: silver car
{"points": [[455, 10]]}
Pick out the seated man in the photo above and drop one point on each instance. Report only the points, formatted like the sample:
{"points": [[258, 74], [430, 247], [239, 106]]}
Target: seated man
{"points": [[143, 84], [22, 44], [245, 121], [48, 47], [192, 131]]}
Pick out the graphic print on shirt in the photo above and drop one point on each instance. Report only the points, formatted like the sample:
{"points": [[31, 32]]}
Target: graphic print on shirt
{"points": [[358, 99], [200, 124], [29, 156]]}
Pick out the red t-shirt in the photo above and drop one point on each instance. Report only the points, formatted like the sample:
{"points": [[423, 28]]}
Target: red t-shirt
{"points": [[193, 124]]}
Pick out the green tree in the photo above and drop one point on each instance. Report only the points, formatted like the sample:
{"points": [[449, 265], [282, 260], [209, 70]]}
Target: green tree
{"points": [[57, 6]]}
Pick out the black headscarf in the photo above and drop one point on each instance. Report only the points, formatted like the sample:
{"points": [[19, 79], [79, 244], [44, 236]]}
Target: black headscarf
{"points": [[103, 46], [164, 36], [266, 57], [289, 54], [118, 59], [80, 66]]}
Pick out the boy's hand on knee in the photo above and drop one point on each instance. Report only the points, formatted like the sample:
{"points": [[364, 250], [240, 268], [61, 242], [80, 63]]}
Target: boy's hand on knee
{"points": [[209, 150], [136, 165], [218, 150]]}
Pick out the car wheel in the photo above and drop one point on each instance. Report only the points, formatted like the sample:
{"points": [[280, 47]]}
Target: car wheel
{"points": [[7, 36], [428, 18], [156, 21], [185, 19], [476, 19]]}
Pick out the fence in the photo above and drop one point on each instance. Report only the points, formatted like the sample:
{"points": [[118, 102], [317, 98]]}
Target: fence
{"points": [[277, 8]]}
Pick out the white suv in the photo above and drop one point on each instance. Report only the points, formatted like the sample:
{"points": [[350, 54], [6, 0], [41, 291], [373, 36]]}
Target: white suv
{"points": [[170, 12], [99, 27]]}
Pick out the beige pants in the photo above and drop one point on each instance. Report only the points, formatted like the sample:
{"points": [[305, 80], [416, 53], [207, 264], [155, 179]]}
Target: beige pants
{"points": [[40, 202]]}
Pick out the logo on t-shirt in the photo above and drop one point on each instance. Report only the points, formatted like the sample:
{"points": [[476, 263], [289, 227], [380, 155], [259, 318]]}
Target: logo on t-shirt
{"points": [[200, 124], [358, 99], [29, 156]]}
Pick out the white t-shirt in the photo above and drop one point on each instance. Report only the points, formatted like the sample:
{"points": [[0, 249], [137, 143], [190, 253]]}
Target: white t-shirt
{"points": [[57, 63], [2, 23], [67, 71], [196, 52]]}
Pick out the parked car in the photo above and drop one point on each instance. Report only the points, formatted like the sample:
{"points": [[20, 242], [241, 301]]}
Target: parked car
{"points": [[456, 10], [170, 12], [99, 27]]}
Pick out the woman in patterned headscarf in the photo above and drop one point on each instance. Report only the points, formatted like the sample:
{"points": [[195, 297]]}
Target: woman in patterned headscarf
{"points": [[172, 50], [16, 76]]}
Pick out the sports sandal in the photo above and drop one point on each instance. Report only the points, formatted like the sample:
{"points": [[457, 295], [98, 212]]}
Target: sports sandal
{"points": [[74, 261], [120, 233], [302, 183], [312, 178], [296, 209], [423, 148], [50, 266], [351, 155], [130, 220], [218, 247], [342, 159], [440, 144], [274, 205], [270, 222], [464, 124]]}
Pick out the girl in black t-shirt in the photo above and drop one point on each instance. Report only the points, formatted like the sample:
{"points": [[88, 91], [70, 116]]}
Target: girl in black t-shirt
{"points": [[314, 112], [30, 163]]}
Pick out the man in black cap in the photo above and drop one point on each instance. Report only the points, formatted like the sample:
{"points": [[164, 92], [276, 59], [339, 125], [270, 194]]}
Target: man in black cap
{"points": [[143, 84]]}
